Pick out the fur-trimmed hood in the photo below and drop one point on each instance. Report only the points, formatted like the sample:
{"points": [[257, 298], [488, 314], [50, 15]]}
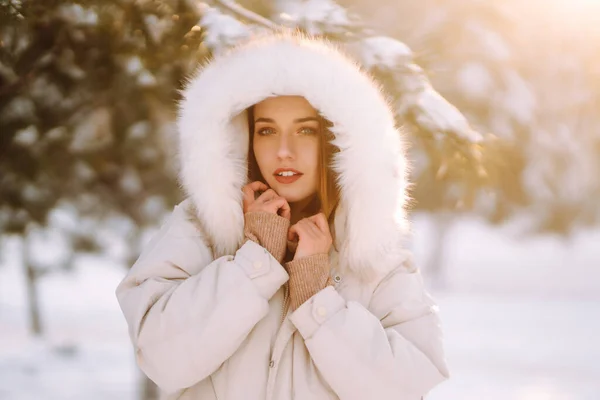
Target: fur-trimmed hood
{"points": [[370, 221]]}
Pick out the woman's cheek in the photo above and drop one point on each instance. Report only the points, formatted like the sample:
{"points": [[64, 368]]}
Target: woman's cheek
{"points": [[261, 154]]}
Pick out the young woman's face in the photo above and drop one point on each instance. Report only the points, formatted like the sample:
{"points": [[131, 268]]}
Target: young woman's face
{"points": [[286, 146]]}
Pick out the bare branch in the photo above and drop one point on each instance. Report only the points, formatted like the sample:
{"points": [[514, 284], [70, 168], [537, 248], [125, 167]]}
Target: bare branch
{"points": [[247, 14]]}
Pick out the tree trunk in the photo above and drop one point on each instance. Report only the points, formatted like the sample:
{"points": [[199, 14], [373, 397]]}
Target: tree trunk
{"points": [[443, 223], [32, 292]]}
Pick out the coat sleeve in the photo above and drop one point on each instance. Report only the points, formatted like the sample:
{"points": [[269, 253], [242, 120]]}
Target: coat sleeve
{"points": [[187, 314], [393, 350]]}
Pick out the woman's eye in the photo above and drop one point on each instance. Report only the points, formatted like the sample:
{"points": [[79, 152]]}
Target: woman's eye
{"points": [[308, 131], [266, 131]]}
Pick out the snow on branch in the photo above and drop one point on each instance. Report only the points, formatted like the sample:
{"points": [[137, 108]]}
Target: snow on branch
{"points": [[316, 17], [222, 30], [414, 93]]}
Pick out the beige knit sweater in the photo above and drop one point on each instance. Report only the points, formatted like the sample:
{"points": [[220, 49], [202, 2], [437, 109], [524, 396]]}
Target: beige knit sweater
{"points": [[308, 275]]}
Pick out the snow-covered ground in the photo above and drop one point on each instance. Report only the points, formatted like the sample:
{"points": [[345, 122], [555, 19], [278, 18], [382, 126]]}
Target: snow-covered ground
{"points": [[520, 348], [84, 353], [521, 318], [521, 315]]}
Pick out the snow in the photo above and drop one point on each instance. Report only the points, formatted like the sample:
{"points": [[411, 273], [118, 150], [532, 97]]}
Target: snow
{"points": [[475, 81], [501, 260], [519, 348], [518, 100], [133, 65], [130, 181], [148, 154], [93, 131], [519, 316], [146, 79], [78, 15], [560, 169], [153, 207], [113, 235], [47, 247], [84, 353], [32, 193], [26, 137], [64, 217], [68, 65], [46, 92], [83, 171], [436, 114], [20, 107], [432, 111], [315, 16], [490, 43], [519, 313], [139, 131], [157, 27], [222, 30], [384, 51]]}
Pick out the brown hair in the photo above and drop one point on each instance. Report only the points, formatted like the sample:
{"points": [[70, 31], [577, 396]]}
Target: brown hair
{"points": [[328, 193]]}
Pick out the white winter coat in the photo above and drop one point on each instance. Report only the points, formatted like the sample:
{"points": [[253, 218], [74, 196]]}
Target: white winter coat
{"points": [[204, 313]]}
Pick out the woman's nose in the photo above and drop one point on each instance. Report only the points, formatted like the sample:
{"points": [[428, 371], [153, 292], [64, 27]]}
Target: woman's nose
{"points": [[286, 147]]}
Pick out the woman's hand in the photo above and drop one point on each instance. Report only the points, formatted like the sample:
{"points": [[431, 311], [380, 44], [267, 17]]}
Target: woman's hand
{"points": [[266, 218], [310, 270], [313, 236], [269, 201]]}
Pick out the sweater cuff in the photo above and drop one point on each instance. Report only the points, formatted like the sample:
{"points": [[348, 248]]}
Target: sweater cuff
{"points": [[268, 230], [308, 275]]}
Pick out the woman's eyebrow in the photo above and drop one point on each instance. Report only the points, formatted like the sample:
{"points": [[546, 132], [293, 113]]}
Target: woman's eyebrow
{"points": [[264, 120], [306, 119], [297, 121]]}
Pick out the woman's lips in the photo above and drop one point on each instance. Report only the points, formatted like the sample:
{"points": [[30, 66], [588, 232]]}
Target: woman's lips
{"points": [[287, 179]]}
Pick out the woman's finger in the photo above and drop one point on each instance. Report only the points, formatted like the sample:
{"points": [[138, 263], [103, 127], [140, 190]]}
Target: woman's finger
{"points": [[285, 210], [293, 232], [311, 228], [256, 186], [267, 195], [275, 204], [298, 231], [249, 191], [321, 221]]}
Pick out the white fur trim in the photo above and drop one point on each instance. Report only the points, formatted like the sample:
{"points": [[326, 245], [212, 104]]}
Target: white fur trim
{"points": [[371, 163]]}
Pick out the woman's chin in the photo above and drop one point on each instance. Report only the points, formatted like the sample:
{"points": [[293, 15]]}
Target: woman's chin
{"points": [[293, 193], [290, 195]]}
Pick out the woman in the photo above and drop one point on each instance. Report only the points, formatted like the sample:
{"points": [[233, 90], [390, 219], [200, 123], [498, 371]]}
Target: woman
{"points": [[282, 275]]}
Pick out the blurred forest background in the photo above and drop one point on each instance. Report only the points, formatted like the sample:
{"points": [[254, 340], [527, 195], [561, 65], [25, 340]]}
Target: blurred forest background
{"points": [[501, 103]]}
